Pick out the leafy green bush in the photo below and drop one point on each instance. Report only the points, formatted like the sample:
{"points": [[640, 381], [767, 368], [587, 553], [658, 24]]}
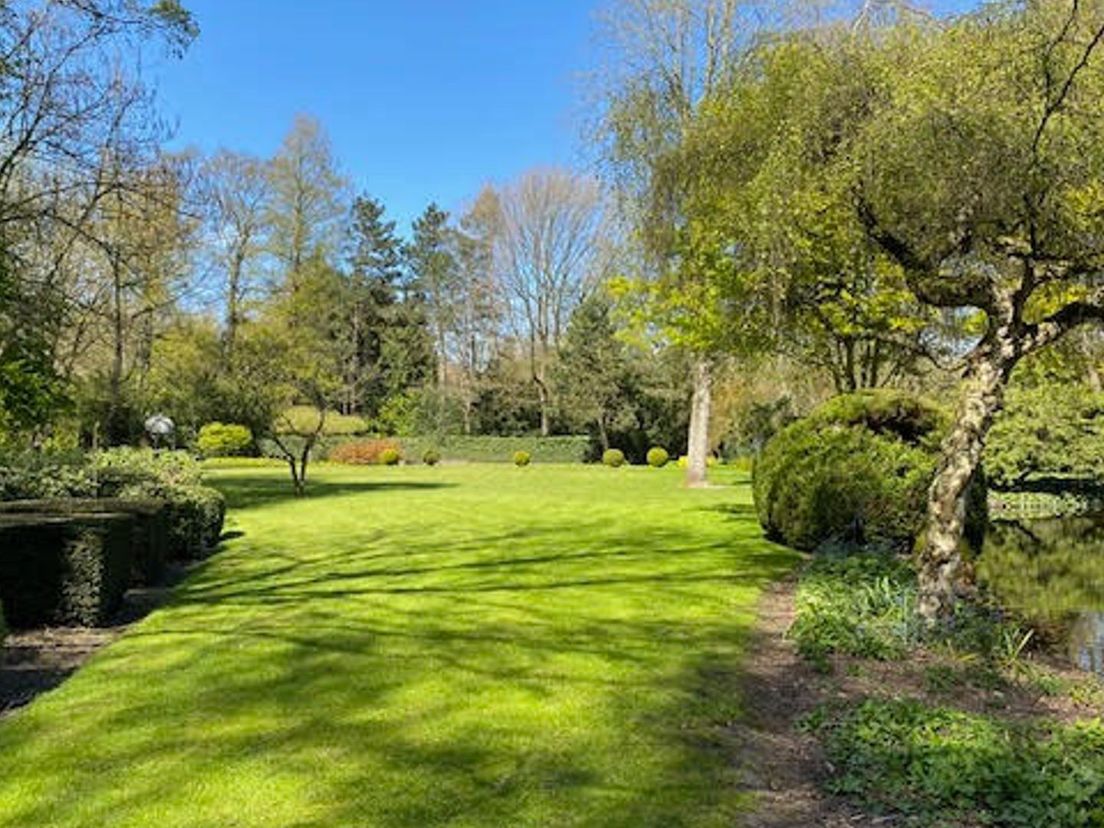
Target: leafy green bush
{"points": [[1052, 431], [224, 440], [658, 457], [44, 475], [431, 457], [858, 467], [614, 458], [141, 472], [944, 767], [64, 569], [390, 457], [522, 458]]}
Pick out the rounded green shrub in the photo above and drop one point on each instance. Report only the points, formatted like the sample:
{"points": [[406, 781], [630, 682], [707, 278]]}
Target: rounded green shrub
{"points": [[658, 457], [614, 458], [224, 440], [857, 468], [431, 457], [390, 457], [522, 458]]}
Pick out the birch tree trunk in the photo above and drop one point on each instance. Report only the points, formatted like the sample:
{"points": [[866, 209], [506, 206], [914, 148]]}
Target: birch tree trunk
{"points": [[939, 560], [700, 407]]}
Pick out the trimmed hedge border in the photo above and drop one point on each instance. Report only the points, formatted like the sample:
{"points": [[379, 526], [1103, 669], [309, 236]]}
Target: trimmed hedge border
{"points": [[64, 569], [149, 539]]}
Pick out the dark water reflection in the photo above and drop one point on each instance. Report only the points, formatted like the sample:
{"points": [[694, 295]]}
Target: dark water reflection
{"points": [[1052, 572]]}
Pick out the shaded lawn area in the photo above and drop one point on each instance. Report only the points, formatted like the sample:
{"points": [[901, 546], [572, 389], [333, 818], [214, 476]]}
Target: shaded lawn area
{"points": [[469, 645]]}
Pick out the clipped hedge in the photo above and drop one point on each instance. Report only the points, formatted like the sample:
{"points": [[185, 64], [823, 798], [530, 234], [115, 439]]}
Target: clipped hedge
{"points": [[195, 519], [458, 448], [857, 468], [64, 569], [150, 526]]}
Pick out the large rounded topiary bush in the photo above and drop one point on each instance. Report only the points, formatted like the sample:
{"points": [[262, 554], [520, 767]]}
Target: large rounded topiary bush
{"points": [[657, 457], [858, 467], [614, 458]]}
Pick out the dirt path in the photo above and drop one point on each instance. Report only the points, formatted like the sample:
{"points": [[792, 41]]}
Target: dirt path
{"points": [[783, 767]]}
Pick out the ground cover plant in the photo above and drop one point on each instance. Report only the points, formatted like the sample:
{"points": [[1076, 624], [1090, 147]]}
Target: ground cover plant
{"points": [[459, 645]]}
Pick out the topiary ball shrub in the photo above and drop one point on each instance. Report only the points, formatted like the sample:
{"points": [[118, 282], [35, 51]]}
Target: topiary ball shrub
{"points": [[522, 458], [614, 458], [431, 457], [683, 462], [224, 440], [858, 468], [390, 457], [658, 457]]}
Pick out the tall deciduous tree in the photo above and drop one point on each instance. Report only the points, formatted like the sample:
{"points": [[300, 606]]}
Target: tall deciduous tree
{"points": [[237, 191], [550, 252], [667, 56], [308, 199]]}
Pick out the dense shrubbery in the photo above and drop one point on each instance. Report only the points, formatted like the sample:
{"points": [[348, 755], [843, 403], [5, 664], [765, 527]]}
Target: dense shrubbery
{"points": [[658, 457], [614, 458], [390, 457], [431, 457], [858, 467], [1052, 432], [195, 512], [363, 452], [224, 440], [522, 458], [944, 767]]}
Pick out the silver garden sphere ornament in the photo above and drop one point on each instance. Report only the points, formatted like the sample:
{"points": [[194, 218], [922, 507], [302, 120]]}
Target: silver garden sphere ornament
{"points": [[160, 429]]}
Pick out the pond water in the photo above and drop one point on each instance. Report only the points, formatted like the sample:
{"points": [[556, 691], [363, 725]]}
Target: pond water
{"points": [[1052, 572]]}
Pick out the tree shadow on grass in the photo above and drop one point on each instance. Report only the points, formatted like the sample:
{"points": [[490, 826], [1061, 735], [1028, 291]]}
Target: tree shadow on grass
{"points": [[249, 491], [554, 674]]}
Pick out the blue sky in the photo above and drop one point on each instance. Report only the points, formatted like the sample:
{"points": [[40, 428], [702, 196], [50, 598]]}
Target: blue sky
{"points": [[425, 100]]}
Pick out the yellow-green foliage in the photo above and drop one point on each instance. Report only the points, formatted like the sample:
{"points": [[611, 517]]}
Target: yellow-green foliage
{"points": [[522, 458], [860, 465], [224, 440], [658, 457], [614, 458], [303, 419]]}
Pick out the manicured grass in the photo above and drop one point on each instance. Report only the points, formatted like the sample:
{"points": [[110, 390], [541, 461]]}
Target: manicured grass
{"points": [[465, 645]]}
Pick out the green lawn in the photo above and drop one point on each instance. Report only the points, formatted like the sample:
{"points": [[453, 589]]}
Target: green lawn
{"points": [[470, 645]]}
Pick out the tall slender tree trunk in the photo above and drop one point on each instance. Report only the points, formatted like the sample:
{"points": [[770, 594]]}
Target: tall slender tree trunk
{"points": [[939, 560], [700, 407]]}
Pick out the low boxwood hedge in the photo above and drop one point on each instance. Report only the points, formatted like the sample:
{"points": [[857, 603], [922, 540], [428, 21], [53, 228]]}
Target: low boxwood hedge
{"points": [[64, 569], [150, 526]]}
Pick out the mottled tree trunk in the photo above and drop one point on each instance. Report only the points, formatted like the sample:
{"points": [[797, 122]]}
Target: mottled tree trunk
{"points": [[939, 560], [700, 406]]}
